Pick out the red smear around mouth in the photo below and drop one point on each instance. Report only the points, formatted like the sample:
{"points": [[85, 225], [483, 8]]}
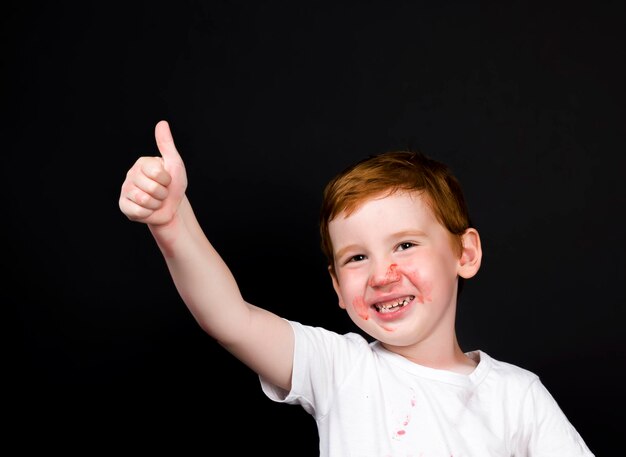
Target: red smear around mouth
{"points": [[393, 274], [424, 287], [360, 307]]}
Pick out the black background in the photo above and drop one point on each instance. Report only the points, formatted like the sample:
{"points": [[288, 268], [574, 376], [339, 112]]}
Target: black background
{"points": [[267, 101]]}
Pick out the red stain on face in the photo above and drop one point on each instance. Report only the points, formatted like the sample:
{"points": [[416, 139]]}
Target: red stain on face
{"points": [[360, 307], [391, 275], [424, 287], [394, 274]]}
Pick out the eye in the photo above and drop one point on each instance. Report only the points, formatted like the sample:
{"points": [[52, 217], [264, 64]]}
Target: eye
{"points": [[356, 258], [405, 245]]}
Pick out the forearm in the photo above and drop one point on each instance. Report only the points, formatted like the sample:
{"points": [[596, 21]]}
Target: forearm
{"points": [[154, 193], [202, 278]]}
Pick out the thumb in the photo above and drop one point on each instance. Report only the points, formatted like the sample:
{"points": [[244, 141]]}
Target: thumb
{"points": [[165, 143]]}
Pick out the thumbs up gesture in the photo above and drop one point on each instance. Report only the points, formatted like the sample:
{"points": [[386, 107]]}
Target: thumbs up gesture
{"points": [[155, 186]]}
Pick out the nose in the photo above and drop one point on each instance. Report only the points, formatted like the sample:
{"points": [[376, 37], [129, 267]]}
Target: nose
{"points": [[382, 277]]}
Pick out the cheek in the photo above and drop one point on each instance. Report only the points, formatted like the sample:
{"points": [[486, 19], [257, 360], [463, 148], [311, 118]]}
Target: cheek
{"points": [[352, 286], [424, 287], [360, 307]]}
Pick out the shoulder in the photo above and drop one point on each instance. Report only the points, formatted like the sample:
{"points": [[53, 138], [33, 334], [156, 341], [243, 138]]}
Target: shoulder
{"points": [[312, 336], [505, 372]]}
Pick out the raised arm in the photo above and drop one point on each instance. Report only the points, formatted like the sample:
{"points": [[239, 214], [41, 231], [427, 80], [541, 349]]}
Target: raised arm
{"points": [[154, 193]]}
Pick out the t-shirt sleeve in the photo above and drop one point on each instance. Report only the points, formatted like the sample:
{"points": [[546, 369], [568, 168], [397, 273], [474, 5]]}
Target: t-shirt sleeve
{"points": [[550, 433], [322, 361]]}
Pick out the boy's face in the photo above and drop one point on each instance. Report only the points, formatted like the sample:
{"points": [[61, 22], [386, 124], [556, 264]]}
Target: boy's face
{"points": [[396, 270]]}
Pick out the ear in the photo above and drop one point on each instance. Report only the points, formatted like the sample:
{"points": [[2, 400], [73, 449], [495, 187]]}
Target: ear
{"points": [[336, 286], [471, 255]]}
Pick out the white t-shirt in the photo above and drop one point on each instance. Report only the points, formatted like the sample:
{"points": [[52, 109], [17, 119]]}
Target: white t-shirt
{"points": [[369, 402]]}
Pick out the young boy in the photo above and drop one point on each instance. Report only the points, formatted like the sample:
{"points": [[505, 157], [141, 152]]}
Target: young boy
{"points": [[396, 231]]}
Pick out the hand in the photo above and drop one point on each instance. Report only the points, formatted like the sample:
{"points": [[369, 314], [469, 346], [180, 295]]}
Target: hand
{"points": [[155, 186]]}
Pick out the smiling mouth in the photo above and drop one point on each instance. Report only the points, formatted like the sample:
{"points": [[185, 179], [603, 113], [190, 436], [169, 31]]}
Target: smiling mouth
{"points": [[391, 306]]}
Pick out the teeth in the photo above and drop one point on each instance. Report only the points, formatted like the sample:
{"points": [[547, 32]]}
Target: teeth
{"points": [[391, 306]]}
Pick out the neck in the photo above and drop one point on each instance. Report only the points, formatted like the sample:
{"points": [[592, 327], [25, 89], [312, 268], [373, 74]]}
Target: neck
{"points": [[448, 357]]}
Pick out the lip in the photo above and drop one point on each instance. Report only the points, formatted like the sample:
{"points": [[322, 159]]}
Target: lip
{"points": [[394, 313]]}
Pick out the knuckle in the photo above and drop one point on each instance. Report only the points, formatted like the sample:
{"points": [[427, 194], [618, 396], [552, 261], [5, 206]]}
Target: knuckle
{"points": [[143, 199], [153, 187]]}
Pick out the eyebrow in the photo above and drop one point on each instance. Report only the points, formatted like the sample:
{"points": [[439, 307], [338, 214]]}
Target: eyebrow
{"points": [[402, 234], [341, 252]]}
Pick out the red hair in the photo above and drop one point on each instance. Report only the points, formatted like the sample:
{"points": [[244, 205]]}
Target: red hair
{"points": [[385, 174]]}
